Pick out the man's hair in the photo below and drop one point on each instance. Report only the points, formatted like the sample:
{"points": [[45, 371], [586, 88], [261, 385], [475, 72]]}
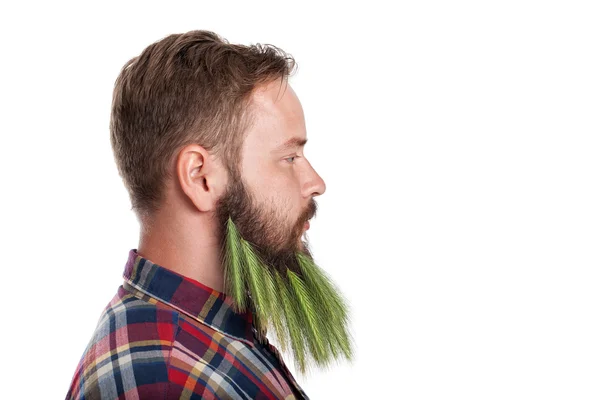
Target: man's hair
{"points": [[186, 88]]}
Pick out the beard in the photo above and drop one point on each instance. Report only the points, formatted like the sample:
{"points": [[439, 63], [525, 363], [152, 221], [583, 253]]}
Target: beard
{"points": [[273, 238], [269, 270]]}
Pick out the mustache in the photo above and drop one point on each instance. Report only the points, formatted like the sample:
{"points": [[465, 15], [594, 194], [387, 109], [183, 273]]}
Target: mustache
{"points": [[309, 213]]}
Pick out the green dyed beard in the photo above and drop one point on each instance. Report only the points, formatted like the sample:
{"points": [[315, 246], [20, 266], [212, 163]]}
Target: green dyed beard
{"points": [[304, 308]]}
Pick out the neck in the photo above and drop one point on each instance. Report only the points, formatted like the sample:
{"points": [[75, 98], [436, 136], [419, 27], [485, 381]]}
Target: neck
{"points": [[186, 244]]}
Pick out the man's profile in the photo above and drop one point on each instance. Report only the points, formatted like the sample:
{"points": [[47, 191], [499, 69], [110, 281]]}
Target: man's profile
{"points": [[208, 139]]}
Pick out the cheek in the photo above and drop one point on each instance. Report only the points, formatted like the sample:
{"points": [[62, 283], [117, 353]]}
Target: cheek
{"points": [[280, 194], [285, 207], [281, 204]]}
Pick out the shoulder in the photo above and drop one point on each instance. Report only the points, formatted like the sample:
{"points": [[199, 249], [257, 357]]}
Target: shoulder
{"points": [[129, 351]]}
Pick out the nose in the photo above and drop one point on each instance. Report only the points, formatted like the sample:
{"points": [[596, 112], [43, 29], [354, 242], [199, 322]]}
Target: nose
{"points": [[314, 185]]}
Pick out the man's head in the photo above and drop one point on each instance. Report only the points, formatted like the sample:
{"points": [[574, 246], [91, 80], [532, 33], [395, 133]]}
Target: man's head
{"points": [[194, 99]]}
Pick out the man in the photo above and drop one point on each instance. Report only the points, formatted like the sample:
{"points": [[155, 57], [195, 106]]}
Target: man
{"points": [[208, 138]]}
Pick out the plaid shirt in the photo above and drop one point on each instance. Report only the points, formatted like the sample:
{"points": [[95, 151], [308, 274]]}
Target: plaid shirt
{"points": [[165, 336]]}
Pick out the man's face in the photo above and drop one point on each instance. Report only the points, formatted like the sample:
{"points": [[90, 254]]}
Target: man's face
{"points": [[272, 200]]}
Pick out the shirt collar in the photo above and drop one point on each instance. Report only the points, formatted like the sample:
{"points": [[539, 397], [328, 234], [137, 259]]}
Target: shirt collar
{"points": [[189, 296]]}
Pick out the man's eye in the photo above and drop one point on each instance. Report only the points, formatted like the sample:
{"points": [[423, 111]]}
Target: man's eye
{"points": [[291, 158]]}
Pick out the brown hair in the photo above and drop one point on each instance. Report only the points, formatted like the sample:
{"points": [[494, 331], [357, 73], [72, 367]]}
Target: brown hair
{"points": [[187, 88]]}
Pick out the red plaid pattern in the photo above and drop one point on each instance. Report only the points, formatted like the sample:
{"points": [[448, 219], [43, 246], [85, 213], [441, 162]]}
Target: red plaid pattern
{"points": [[165, 336]]}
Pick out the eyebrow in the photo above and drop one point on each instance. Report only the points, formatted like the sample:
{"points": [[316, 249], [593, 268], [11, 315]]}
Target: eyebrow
{"points": [[291, 143]]}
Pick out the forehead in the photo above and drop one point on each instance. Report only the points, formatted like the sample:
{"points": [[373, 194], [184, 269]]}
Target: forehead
{"points": [[278, 116]]}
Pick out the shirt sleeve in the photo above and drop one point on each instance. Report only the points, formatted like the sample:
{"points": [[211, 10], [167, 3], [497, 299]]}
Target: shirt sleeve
{"points": [[128, 356]]}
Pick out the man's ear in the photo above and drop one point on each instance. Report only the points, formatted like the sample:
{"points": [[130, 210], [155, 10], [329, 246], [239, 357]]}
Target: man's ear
{"points": [[201, 177]]}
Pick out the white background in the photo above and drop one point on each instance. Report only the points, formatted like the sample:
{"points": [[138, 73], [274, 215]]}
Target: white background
{"points": [[460, 146]]}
